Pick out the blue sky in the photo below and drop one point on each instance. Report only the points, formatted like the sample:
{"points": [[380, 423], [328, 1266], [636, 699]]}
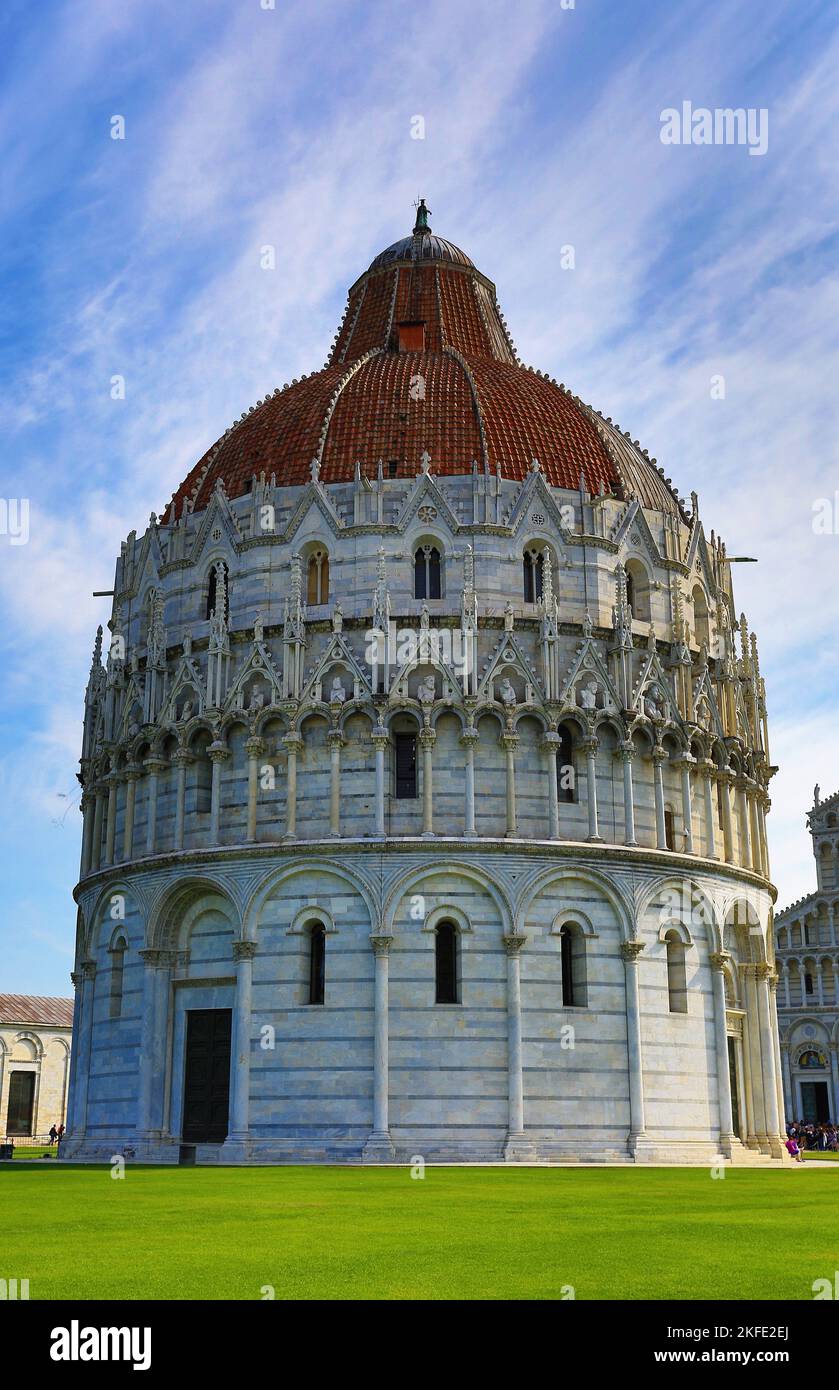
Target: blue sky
{"points": [[291, 126]]}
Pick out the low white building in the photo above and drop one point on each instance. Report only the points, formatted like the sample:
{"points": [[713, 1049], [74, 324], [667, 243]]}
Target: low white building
{"points": [[35, 1038], [807, 954]]}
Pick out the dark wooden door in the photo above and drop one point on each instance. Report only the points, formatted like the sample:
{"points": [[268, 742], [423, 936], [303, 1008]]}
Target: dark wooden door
{"points": [[207, 1076], [21, 1102]]}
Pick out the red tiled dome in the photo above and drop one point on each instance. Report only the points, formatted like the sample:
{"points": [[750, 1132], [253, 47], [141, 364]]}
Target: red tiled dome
{"points": [[423, 361]]}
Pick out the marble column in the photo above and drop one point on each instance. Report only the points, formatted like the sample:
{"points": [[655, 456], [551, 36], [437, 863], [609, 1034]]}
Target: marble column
{"points": [[630, 951], [114, 780], [427, 739], [240, 1094], [684, 765], [218, 753], [761, 1136], [379, 1145], [718, 962], [658, 758], [626, 752], [77, 978], [710, 839], [751, 803], [98, 816], [88, 806], [380, 743], [776, 1040], [510, 742], [132, 775], [789, 1098], [86, 978], [590, 746], [154, 767], [182, 759], [725, 779], [336, 743], [513, 945], [743, 816], [767, 1052], [254, 747], [468, 742], [292, 743], [834, 1076], [153, 1041]]}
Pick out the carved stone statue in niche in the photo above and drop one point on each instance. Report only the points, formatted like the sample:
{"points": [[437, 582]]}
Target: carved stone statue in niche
{"points": [[337, 694], [427, 691], [507, 693]]}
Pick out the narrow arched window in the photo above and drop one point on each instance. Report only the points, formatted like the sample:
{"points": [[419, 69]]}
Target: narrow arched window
{"points": [[565, 778], [218, 591], [427, 572], [317, 578], [676, 974], [701, 624], [117, 975], [202, 773], [669, 828], [317, 963], [572, 944], [533, 574], [808, 983], [445, 963], [638, 586]]}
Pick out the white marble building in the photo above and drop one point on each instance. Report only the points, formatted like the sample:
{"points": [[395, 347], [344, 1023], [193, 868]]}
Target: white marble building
{"points": [[425, 783], [807, 952]]}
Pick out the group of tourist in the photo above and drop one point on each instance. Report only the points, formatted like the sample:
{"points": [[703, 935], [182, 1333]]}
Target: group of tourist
{"points": [[803, 1136], [56, 1134]]}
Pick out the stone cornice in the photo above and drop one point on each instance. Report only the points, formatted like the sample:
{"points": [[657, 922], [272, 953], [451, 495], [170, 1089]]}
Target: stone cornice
{"points": [[563, 851]]}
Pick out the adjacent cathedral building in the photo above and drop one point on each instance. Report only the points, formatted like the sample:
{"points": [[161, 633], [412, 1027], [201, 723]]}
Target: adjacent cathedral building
{"points": [[425, 781], [807, 946]]}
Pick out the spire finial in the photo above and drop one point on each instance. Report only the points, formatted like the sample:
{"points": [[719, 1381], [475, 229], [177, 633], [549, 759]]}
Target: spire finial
{"points": [[421, 224]]}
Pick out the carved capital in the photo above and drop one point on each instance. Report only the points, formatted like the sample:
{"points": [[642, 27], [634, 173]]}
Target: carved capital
{"points": [[89, 969], [254, 746], [631, 950], [380, 942], [218, 752], [718, 960], [244, 950], [427, 738], [292, 742], [509, 741], [514, 943]]}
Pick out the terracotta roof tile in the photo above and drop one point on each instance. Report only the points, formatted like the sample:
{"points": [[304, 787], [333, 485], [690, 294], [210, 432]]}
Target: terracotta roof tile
{"points": [[36, 1008]]}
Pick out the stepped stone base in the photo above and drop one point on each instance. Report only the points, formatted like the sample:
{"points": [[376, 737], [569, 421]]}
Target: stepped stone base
{"points": [[378, 1148]]}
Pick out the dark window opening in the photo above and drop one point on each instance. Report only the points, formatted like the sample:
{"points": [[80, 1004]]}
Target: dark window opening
{"points": [[533, 576], [427, 572], [317, 963], [445, 963], [392, 468], [213, 596], [406, 766], [669, 830], [572, 945], [565, 766], [808, 983], [676, 974], [117, 975]]}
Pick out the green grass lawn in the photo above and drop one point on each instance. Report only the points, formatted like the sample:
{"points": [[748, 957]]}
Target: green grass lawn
{"points": [[376, 1233]]}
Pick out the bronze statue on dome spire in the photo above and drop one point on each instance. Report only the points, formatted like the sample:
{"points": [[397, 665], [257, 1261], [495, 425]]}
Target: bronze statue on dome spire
{"points": [[423, 213]]}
